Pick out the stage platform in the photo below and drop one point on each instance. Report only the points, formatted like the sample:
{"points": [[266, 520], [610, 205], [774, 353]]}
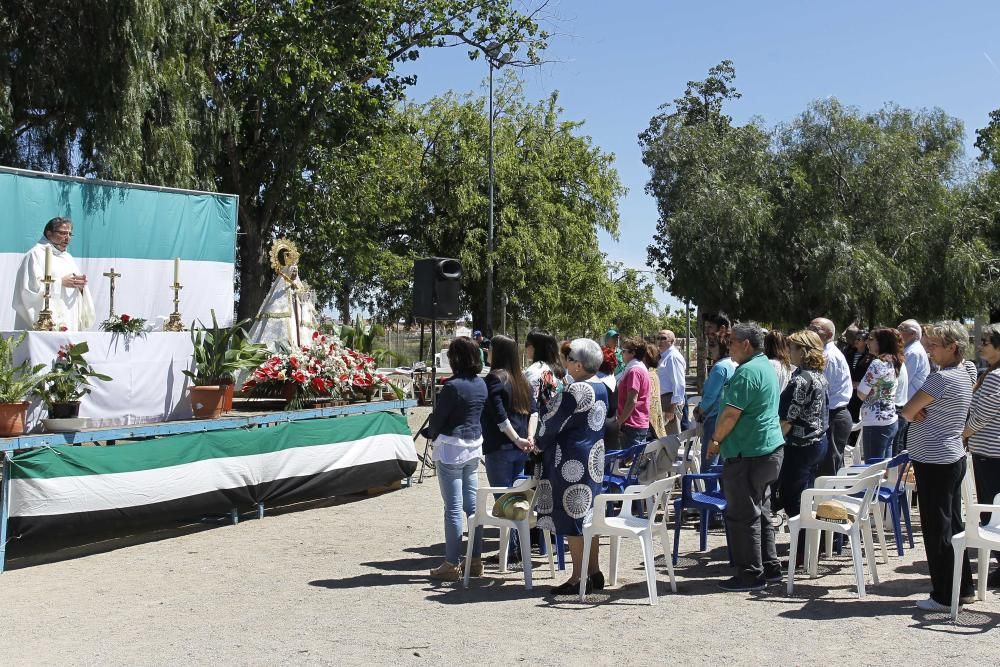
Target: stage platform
{"points": [[54, 490]]}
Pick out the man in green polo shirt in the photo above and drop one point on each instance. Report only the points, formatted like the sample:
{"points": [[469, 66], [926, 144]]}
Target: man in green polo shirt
{"points": [[748, 433]]}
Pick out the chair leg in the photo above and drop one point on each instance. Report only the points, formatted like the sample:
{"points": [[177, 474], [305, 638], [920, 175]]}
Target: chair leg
{"points": [[793, 552], [667, 557], [504, 548], [880, 533], [859, 567], [468, 551], [868, 544], [812, 537], [560, 551], [646, 539], [546, 536], [906, 517], [829, 543], [894, 511], [703, 531], [958, 548], [585, 564], [982, 572], [613, 569], [524, 534], [678, 511]]}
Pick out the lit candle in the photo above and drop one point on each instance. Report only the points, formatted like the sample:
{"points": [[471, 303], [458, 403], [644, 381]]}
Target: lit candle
{"points": [[48, 259], [177, 270]]}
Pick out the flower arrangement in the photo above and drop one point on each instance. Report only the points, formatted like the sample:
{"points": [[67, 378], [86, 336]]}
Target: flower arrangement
{"points": [[322, 369], [69, 379], [124, 324]]}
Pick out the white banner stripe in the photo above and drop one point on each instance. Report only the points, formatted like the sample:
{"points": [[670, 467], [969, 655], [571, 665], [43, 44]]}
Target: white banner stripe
{"points": [[93, 493]]}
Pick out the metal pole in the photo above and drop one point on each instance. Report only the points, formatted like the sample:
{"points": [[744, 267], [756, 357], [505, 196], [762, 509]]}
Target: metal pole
{"points": [[687, 340], [489, 234]]}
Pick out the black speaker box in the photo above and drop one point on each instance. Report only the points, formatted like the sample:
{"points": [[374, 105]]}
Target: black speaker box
{"points": [[435, 288]]}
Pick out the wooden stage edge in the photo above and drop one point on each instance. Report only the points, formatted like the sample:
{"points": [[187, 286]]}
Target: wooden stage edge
{"points": [[159, 429]]}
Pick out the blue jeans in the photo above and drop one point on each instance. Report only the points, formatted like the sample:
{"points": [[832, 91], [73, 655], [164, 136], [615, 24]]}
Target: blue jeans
{"points": [[707, 431], [459, 483], [798, 472], [877, 440], [504, 465], [631, 436]]}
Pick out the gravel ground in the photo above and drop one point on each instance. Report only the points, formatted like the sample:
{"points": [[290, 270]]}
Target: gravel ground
{"points": [[345, 583]]}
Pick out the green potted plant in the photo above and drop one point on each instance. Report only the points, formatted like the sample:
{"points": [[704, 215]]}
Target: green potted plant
{"points": [[16, 384], [68, 381], [219, 354]]}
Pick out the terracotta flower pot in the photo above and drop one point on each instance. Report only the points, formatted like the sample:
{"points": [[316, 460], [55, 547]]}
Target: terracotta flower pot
{"points": [[67, 410], [227, 401], [12, 418], [206, 402]]}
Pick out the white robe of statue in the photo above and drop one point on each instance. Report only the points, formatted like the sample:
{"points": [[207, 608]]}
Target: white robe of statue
{"points": [[276, 319], [72, 307]]}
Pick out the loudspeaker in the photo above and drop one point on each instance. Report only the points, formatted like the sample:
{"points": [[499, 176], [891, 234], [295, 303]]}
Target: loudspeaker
{"points": [[435, 288]]}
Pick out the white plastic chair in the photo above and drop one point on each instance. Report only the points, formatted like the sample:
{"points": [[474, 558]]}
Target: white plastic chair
{"points": [[878, 525], [655, 497], [855, 529], [984, 538], [855, 454], [484, 517], [404, 382]]}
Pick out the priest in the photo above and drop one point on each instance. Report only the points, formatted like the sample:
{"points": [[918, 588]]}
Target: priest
{"points": [[69, 297]]}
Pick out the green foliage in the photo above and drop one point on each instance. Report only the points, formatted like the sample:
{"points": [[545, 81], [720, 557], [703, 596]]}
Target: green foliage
{"points": [[69, 379], [222, 352], [856, 216], [17, 382]]}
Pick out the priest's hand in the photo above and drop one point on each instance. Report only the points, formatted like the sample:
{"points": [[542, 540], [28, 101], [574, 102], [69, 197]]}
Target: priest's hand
{"points": [[74, 280]]}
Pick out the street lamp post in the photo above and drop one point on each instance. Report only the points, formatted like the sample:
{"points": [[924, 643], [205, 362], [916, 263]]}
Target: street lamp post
{"points": [[495, 61]]}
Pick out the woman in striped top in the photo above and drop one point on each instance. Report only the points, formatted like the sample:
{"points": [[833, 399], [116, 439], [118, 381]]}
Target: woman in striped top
{"points": [[938, 412], [983, 427]]}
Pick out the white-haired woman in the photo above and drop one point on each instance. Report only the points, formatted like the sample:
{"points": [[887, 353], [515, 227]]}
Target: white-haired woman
{"points": [[571, 438], [937, 413]]}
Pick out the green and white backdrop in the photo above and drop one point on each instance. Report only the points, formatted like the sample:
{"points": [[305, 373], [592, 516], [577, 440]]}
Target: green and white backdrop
{"points": [[136, 229]]}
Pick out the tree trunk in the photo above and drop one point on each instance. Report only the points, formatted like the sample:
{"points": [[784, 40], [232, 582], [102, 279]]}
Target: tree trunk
{"points": [[343, 301], [253, 256]]}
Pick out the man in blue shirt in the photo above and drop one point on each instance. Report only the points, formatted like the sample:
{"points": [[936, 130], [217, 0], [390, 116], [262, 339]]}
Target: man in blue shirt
{"points": [[838, 375]]}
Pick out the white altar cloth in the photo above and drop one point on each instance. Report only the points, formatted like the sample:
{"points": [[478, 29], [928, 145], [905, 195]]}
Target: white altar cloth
{"points": [[147, 380]]}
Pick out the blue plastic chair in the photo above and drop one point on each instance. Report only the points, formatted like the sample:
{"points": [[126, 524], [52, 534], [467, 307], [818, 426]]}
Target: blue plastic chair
{"points": [[895, 498], [614, 480], [706, 502]]}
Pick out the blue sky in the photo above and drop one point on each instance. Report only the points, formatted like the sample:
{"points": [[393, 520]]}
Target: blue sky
{"points": [[615, 62]]}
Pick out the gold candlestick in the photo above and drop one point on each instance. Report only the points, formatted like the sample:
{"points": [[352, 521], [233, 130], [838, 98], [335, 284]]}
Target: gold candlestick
{"points": [[175, 323], [44, 322]]}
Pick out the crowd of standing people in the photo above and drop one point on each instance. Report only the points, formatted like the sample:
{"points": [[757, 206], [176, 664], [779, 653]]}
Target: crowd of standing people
{"points": [[777, 411]]}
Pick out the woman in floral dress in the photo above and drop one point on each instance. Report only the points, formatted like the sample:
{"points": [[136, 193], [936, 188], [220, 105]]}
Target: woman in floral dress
{"points": [[571, 438]]}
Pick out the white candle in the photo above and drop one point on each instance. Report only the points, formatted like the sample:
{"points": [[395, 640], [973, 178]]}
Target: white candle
{"points": [[48, 259], [177, 270]]}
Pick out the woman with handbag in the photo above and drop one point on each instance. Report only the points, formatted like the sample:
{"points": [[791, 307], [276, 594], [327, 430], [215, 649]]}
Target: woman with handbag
{"points": [[455, 426]]}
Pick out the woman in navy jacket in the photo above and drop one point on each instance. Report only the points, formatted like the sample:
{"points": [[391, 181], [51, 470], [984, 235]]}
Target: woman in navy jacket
{"points": [[510, 415], [456, 428]]}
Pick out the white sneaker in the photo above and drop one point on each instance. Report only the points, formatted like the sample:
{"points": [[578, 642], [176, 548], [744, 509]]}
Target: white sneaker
{"points": [[930, 604]]}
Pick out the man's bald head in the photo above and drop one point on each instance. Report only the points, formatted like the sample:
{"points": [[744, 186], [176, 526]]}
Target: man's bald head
{"points": [[824, 327]]}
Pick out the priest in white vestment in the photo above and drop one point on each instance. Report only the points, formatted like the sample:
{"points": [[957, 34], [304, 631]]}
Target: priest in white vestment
{"points": [[69, 297]]}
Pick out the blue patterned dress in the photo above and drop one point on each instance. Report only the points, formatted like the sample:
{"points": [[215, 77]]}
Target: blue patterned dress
{"points": [[571, 437]]}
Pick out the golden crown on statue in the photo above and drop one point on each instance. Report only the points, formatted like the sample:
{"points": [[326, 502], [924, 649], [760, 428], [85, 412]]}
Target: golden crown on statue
{"points": [[284, 253]]}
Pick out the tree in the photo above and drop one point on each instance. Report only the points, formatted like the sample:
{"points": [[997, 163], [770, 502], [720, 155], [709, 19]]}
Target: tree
{"points": [[245, 96]]}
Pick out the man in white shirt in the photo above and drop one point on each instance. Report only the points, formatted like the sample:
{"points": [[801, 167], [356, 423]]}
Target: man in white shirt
{"points": [[69, 297], [672, 373], [838, 376], [918, 367]]}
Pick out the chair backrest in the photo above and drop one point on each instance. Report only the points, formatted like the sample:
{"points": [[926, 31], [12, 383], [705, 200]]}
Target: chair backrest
{"points": [[968, 487], [869, 485], [404, 382], [864, 471], [658, 493], [897, 470], [658, 459]]}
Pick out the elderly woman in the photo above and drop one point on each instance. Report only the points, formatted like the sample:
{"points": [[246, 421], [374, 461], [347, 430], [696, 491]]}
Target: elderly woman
{"points": [[803, 414], [983, 427], [657, 429], [937, 413], [571, 440], [456, 429]]}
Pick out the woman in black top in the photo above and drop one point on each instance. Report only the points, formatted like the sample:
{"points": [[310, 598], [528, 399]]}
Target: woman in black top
{"points": [[858, 360], [510, 415]]}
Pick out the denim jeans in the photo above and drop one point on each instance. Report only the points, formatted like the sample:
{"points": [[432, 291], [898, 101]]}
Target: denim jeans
{"points": [[459, 483], [630, 436], [745, 482], [877, 440], [504, 465], [798, 472]]}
